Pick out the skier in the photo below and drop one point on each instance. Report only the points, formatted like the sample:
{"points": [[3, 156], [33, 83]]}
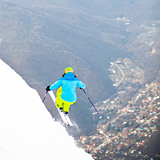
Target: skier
{"points": [[66, 93]]}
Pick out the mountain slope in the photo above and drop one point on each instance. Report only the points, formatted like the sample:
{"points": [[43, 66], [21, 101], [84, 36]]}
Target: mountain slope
{"points": [[27, 129]]}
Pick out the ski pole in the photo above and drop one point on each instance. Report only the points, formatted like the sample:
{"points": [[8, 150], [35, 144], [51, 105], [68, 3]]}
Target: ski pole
{"points": [[44, 96], [92, 103]]}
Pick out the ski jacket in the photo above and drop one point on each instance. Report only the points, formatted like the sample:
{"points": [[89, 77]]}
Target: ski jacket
{"points": [[68, 83]]}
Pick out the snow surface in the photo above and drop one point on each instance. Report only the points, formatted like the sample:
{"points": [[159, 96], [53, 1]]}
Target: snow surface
{"points": [[27, 130]]}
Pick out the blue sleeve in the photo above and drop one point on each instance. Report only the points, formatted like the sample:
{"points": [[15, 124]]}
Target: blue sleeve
{"points": [[80, 85], [56, 85]]}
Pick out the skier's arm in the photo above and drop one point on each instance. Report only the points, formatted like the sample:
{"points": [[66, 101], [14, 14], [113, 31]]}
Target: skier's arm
{"points": [[56, 85], [80, 85]]}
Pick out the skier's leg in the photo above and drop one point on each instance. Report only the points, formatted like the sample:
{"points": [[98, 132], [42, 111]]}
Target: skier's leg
{"points": [[59, 92], [66, 106], [59, 101]]}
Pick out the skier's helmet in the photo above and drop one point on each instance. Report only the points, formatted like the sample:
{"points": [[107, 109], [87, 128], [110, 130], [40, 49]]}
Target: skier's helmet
{"points": [[68, 69]]}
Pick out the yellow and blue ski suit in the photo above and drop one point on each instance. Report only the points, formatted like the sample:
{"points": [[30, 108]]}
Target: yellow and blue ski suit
{"points": [[66, 93]]}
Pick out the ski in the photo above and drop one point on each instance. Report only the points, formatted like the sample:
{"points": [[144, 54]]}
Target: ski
{"points": [[65, 118]]}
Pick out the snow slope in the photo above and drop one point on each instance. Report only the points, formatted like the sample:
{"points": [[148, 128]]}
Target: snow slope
{"points": [[27, 130]]}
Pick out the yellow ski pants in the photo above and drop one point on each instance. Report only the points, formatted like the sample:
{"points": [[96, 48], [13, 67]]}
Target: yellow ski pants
{"points": [[60, 103]]}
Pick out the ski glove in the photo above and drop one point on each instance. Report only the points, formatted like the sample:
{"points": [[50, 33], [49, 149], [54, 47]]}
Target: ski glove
{"points": [[47, 89]]}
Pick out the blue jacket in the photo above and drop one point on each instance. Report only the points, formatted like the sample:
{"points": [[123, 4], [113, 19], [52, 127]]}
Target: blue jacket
{"points": [[68, 83]]}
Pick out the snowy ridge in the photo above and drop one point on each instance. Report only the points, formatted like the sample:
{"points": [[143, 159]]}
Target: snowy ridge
{"points": [[27, 130]]}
